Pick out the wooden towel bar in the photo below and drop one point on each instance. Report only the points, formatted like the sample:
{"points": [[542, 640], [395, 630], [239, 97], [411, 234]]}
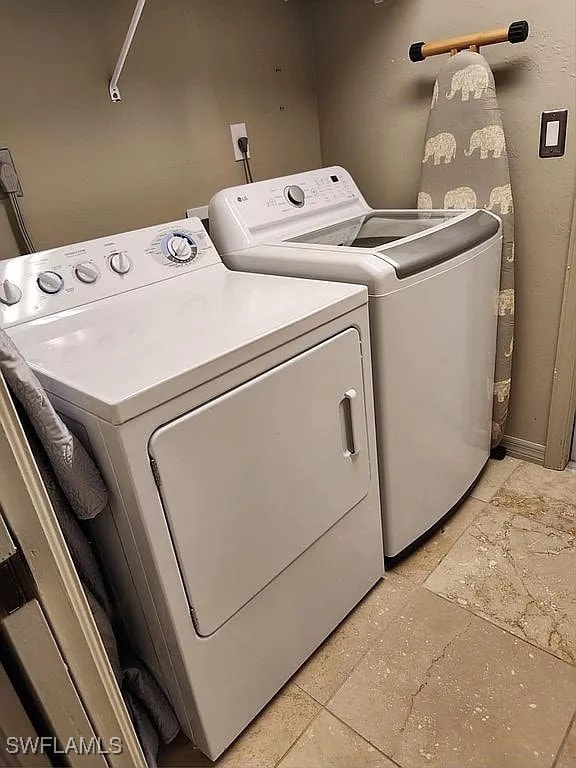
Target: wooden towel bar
{"points": [[517, 32]]}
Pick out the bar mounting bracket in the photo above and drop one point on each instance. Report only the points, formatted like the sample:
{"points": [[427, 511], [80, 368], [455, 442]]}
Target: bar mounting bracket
{"points": [[113, 85]]}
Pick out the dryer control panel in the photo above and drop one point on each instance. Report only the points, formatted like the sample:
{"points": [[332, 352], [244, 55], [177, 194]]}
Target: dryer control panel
{"points": [[59, 279], [268, 210]]}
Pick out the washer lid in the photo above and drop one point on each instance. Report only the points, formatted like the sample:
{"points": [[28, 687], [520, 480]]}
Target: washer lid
{"points": [[410, 241], [124, 355], [376, 229]]}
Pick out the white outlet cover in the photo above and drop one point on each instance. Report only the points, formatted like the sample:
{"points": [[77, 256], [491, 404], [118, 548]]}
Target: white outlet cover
{"points": [[238, 130]]}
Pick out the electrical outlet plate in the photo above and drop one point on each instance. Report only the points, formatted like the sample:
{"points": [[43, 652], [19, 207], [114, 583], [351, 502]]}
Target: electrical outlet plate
{"points": [[6, 157], [238, 130]]}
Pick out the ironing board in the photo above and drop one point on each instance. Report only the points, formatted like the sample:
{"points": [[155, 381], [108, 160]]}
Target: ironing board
{"points": [[465, 165]]}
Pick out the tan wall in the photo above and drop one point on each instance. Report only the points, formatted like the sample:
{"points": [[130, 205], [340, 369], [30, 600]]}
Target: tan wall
{"points": [[90, 167], [373, 105]]}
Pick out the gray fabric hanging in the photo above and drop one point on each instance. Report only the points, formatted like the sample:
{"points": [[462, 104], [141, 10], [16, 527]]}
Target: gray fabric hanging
{"points": [[465, 165]]}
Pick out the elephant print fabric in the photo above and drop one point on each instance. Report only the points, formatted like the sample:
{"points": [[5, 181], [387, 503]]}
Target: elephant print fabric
{"points": [[440, 148], [424, 201], [460, 198], [465, 165], [501, 200], [487, 140], [473, 80]]}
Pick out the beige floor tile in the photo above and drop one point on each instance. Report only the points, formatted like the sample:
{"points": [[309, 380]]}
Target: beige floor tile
{"points": [[495, 474], [543, 494], [181, 754], [420, 564], [262, 744], [567, 757], [328, 743], [327, 669], [443, 688], [519, 574]]}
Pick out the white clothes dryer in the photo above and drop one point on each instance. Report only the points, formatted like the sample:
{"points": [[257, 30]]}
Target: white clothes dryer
{"points": [[433, 279], [232, 417]]}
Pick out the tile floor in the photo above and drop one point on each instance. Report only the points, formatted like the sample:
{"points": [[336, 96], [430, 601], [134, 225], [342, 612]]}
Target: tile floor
{"points": [[463, 656]]}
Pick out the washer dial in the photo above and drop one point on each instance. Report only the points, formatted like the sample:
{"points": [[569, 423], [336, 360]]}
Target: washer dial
{"points": [[50, 282], [295, 195]]}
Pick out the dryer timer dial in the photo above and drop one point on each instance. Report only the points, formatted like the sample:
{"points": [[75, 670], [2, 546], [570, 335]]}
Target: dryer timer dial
{"points": [[181, 248], [50, 282]]}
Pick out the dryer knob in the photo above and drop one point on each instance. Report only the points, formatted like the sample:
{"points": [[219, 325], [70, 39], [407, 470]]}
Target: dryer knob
{"points": [[50, 282], [295, 195], [120, 263], [87, 272], [181, 248], [10, 293]]}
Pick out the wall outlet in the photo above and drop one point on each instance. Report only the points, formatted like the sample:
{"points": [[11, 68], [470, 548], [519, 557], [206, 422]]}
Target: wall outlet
{"points": [[238, 130], [6, 157]]}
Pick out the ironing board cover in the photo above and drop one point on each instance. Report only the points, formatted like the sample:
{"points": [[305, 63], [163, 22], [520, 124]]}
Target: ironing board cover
{"points": [[465, 165]]}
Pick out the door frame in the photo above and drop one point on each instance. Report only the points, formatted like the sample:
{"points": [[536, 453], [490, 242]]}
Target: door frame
{"points": [[15, 721], [44, 670], [563, 398], [32, 526]]}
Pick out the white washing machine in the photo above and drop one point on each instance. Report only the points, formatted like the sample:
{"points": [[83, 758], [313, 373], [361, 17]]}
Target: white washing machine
{"points": [[433, 279], [232, 417]]}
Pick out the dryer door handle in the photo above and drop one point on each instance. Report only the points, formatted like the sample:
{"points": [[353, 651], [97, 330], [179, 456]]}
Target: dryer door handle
{"points": [[349, 410]]}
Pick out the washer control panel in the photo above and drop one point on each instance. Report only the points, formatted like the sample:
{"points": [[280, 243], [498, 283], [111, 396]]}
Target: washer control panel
{"points": [[271, 200], [269, 211], [63, 278]]}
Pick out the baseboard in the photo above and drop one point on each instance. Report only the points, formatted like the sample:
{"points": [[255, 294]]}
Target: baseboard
{"points": [[524, 449]]}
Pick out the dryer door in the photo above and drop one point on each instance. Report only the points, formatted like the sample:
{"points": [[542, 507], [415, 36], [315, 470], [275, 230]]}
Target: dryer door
{"points": [[251, 479]]}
